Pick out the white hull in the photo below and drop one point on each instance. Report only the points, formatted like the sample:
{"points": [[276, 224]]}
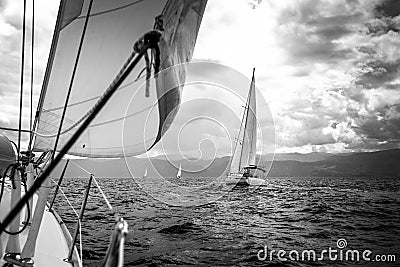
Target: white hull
{"points": [[52, 245], [246, 181], [179, 174]]}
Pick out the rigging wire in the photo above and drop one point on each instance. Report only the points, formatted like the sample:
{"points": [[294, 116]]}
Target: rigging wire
{"points": [[32, 53], [22, 80], [66, 198], [73, 74], [74, 210], [97, 185], [14, 130]]}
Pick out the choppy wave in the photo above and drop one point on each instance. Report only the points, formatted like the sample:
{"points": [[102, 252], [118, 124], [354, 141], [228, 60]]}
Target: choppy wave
{"points": [[288, 214]]}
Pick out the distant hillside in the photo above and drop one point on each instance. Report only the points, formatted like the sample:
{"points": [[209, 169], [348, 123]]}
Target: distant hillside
{"points": [[381, 163], [307, 157]]}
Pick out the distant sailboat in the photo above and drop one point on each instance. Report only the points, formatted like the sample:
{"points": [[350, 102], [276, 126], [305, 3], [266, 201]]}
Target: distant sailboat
{"points": [[179, 174], [243, 166], [145, 173]]}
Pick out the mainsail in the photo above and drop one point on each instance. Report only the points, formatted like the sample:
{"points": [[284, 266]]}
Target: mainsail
{"points": [[112, 29], [245, 149]]}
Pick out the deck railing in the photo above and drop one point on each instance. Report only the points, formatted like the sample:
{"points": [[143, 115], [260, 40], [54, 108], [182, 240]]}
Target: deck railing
{"points": [[114, 256]]}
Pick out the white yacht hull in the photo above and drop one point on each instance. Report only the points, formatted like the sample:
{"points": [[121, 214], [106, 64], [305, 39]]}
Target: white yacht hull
{"points": [[246, 181], [53, 241]]}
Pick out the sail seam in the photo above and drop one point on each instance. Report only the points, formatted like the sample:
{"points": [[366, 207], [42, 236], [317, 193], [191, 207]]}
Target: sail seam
{"points": [[112, 10]]}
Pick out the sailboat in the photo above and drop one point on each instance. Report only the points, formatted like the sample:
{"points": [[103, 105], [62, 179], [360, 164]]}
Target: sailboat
{"points": [[145, 173], [179, 174], [99, 51], [243, 167]]}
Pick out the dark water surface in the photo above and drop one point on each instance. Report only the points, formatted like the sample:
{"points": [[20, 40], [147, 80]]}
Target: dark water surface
{"points": [[286, 214]]}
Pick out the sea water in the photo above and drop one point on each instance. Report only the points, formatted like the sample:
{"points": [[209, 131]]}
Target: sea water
{"points": [[280, 224]]}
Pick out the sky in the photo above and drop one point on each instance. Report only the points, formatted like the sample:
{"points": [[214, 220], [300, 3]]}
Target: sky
{"points": [[328, 69]]}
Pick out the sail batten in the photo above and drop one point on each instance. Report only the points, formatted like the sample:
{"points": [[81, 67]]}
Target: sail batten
{"points": [[108, 41]]}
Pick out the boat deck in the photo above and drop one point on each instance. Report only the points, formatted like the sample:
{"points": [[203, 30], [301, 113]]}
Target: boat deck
{"points": [[51, 247]]}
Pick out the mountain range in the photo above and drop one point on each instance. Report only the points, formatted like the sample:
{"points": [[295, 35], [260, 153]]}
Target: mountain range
{"points": [[316, 164]]}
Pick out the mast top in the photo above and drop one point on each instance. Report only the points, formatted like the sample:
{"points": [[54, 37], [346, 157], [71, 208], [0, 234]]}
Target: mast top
{"points": [[254, 69]]}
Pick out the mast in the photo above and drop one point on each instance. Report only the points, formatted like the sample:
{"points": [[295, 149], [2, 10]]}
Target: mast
{"points": [[253, 124], [246, 114], [49, 67]]}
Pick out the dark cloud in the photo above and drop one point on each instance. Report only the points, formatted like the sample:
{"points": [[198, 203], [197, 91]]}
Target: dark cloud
{"points": [[368, 50], [339, 21], [378, 27], [311, 35], [377, 73], [304, 50], [381, 130], [386, 18], [332, 32], [388, 8]]}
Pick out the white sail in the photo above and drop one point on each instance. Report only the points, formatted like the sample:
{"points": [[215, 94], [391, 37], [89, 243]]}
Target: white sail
{"points": [[145, 173], [248, 156], [245, 144], [179, 174], [113, 28]]}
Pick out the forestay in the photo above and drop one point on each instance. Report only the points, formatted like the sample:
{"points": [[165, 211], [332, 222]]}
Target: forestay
{"points": [[113, 28]]}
